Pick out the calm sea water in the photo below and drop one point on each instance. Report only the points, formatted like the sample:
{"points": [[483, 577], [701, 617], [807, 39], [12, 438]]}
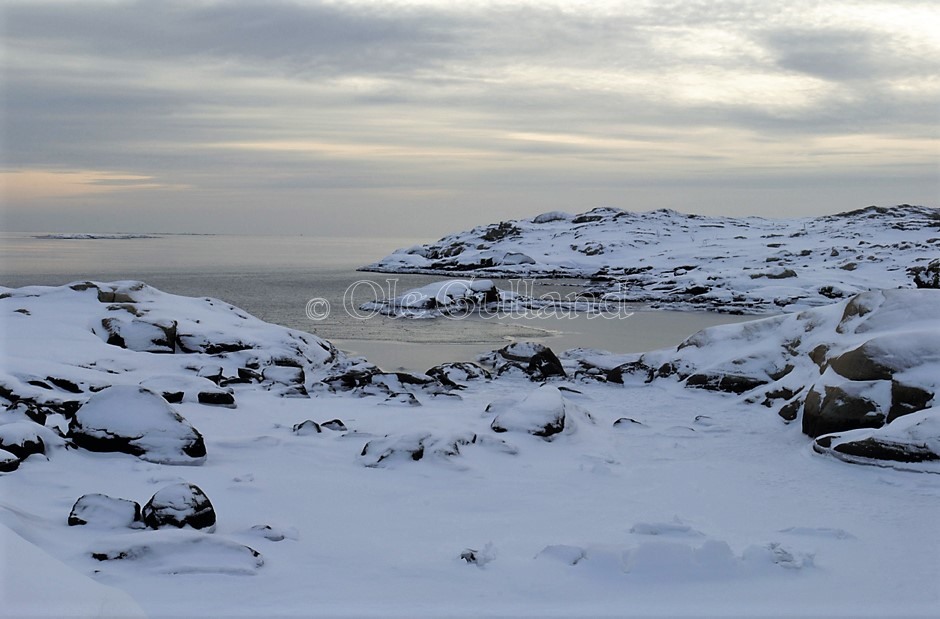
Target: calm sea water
{"points": [[275, 277]]}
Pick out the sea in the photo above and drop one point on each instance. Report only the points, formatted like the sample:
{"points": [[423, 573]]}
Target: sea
{"points": [[312, 284]]}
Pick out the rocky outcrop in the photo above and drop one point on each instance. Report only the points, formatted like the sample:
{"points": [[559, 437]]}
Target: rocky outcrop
{"points": [[913, 438]]}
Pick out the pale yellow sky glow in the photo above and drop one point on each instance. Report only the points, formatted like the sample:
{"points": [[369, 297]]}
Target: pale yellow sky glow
{"points": [[37, 185], [377, 114]]}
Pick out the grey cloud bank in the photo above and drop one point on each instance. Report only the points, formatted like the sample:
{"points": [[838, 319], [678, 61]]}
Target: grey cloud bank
{"points": [[422, 118]]}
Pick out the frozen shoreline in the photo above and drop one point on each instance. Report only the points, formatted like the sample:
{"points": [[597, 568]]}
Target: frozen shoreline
{"points": [[584, 496]]}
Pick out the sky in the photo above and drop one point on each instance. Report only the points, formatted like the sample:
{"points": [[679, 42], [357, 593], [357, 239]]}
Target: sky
{"points": [[421, 118]]}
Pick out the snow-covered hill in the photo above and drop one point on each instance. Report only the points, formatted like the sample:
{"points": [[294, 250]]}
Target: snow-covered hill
{"points": [[727, 264], [209, 464]]}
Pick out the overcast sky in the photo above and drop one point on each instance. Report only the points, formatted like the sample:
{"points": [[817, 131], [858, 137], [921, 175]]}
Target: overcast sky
{"points": [[422, 118]]}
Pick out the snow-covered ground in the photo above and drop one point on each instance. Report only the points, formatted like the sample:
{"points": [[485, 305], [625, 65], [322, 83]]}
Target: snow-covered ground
{"points": [[671, 259], [584, 485]]}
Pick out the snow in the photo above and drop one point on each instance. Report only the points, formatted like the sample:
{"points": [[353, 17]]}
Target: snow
{"points": [[711, 504], [669, 259], [34, 584]]}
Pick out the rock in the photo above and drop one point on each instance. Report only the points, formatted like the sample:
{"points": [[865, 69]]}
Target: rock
{"points": [[627, 422], [177, 553], [926, 276], [179, 505], [211, 372], [25, 410], [906, 399], [289, 379], [136, 421], [402, 399], [880, 357], [728, 383], [334, 424], [8, 462], [101, 510], [140, 335], [305, 428], [418, 446], [535, 360], [843, 407], [448, 374], [22, 439], [216, 398], [541, 413], [913, 438], [408, 447]]}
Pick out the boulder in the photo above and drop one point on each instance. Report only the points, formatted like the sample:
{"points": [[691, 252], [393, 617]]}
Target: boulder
{"points": [[22, 439], [913, 438], [541, 413], [140, 335], [842, 407], [101, 510], [537, 361], [454, 374], [288, 379], [307, 427], [335, 425], [136, 421], [720, 381], [179, 505], [8, 461]]}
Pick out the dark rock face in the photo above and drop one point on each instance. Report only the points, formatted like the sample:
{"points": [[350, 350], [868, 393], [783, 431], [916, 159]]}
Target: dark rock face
{"points": [[179, 505], [216, 398], [22, 439], [290, 380], [535, 360], [23, 409], [306, 427], [875, 449], [448, 374], [101, 510], [837, 411], [629, 422], [8, 462], [410, 447], [906, 399], [926, 276], [335, 425], [140, 335], [862, 363], [728, 383]]}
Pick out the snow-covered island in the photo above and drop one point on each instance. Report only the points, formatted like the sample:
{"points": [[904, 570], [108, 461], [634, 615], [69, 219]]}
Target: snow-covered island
{"points": [[174, 456], [669, 259]]}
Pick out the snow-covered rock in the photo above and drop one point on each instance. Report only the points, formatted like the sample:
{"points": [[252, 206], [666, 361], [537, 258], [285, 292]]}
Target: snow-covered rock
{"points": [[911, 438], [103, 511], [544, 412], [672, 259], [177, 552], [531, 359], [859, 363], [136, 421], [179, 505]]}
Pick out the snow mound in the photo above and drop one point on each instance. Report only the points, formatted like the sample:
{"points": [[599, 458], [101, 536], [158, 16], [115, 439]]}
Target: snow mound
{"points": [[37, 585], [177, 552]]}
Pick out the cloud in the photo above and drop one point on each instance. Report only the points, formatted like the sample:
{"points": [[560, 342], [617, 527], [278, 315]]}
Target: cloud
{"points": [[301, 100]]}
